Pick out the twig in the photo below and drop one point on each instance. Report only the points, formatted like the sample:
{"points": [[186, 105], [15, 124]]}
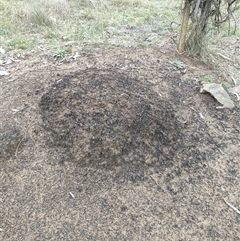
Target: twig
{"points": [[232, 207], [201, 115], [234, 81], [238, 97], [220, 150], [154, 180], [16, 152], [25, 135], [225, 57], [72, 196]]}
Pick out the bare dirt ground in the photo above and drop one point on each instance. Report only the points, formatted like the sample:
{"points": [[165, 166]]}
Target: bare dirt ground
{"points": [[116, 146]]}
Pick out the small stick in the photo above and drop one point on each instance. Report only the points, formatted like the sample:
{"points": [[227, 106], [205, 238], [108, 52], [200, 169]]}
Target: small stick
{"points": [[235, 93], [16, 152], [234, 81], [157, 184], [220, 150], [223, 56], [25, 135], [232, 207], [73, 197], [201, 115], [154, 180]]}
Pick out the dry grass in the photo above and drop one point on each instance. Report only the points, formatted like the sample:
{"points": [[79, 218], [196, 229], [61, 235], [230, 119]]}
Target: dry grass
{"points": [[52, 24], [116, 22]]}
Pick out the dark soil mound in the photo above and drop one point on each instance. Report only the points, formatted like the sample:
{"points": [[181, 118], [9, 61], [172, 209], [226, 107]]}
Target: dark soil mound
{"points": [[105, 118]]}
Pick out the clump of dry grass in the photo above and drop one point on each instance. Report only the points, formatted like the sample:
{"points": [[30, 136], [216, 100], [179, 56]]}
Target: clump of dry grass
{"points": [[43, 12]]}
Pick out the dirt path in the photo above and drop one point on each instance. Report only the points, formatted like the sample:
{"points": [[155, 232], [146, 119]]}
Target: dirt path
{"points": [[116, 146]]}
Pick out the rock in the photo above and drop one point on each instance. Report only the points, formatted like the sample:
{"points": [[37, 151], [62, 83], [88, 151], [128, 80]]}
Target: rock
{"points": [[80, 188], [219, 93], [195, 201]]}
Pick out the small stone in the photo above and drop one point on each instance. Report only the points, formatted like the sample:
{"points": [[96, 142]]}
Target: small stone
{"points": [[4, 73], [195, 201], [123, 208], [79, 188]]}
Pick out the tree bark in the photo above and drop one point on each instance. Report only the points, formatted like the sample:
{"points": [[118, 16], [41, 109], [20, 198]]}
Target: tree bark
{"points": [[184, 26]]}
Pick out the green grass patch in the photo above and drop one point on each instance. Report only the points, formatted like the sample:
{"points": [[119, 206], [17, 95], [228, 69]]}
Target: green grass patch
{"points": [[20, 43], [206, 78], [177, 64], [226, 85]]}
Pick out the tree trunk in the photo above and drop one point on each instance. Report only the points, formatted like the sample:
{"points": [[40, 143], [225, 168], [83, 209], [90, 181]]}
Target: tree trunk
{"points": [[184, 26], [197, 34]]}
